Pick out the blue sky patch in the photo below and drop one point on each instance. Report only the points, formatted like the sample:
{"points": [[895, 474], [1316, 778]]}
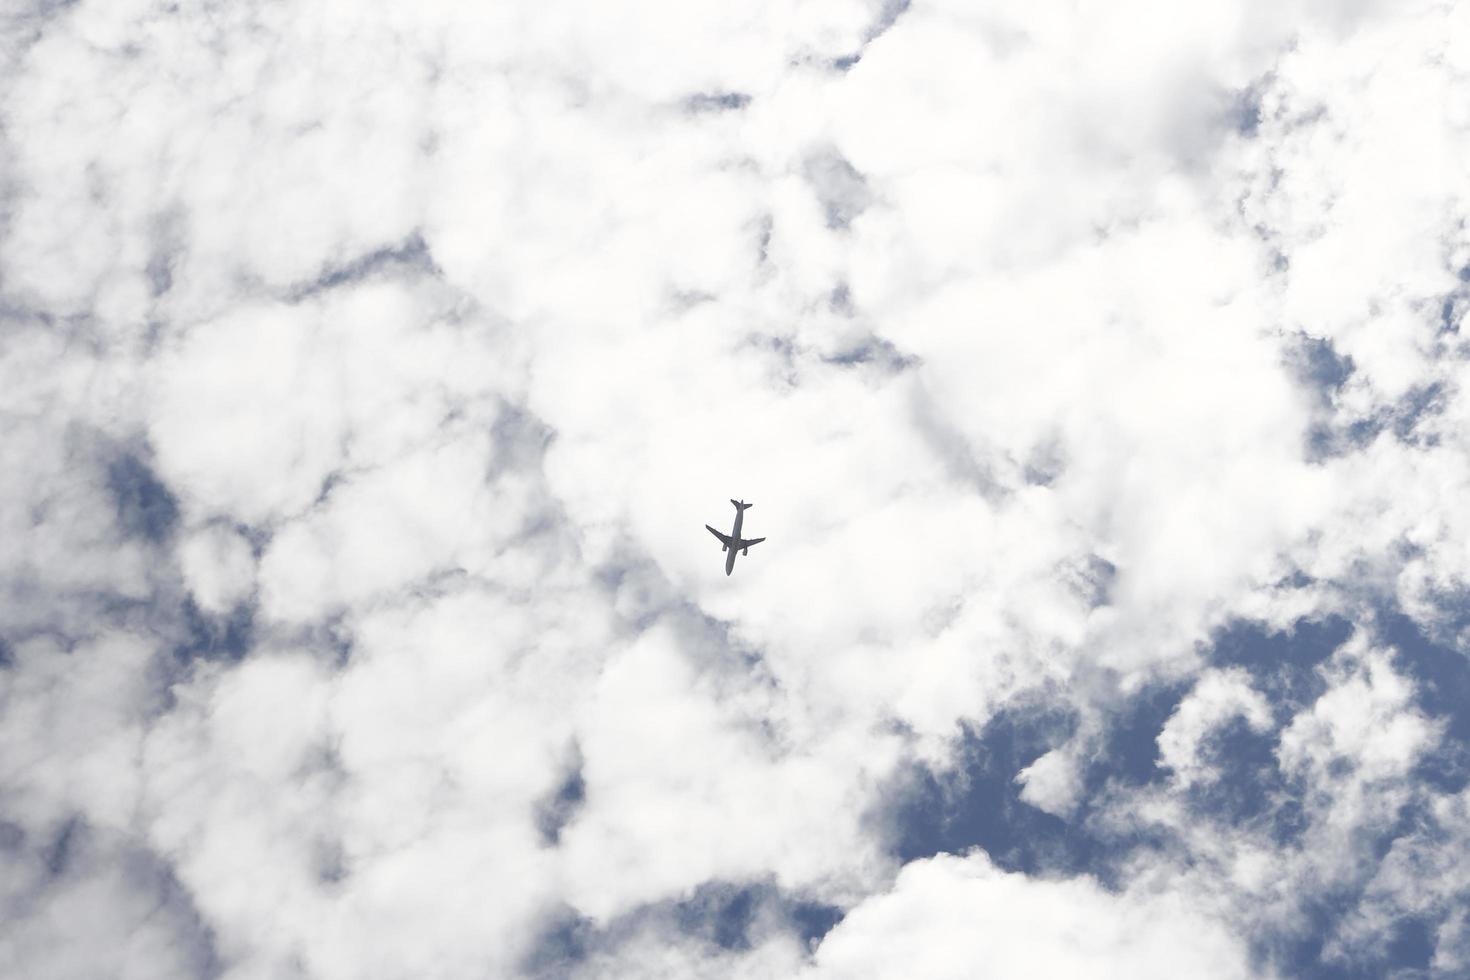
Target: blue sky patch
{"points": [[209, 636], [563, 804], [1282, 665], [145, 506], [727, 916], [561, 944], [62, 851]]}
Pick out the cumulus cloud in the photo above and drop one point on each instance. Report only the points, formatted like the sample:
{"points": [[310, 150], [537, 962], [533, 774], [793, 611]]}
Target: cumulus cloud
{"points": [[366, 376], [958, 916]]}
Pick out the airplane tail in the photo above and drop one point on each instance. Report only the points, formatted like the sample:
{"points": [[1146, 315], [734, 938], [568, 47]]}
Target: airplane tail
{"points": [[741, 505]]}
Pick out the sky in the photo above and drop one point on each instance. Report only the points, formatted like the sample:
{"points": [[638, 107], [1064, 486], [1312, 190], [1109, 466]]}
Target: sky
{"points": [[368, 371]]}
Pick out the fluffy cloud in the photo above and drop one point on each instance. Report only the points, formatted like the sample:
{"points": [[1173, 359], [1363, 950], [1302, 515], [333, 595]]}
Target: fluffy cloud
{"points": [[956, 917], [367, 376]]}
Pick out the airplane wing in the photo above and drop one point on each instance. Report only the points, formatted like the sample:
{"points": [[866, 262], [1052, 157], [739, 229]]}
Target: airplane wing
{"points": [[744, 543], [724, 538]]}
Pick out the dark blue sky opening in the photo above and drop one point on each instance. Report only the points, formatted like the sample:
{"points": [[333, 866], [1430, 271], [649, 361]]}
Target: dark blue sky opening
{"points": [[565, 802], [145, 507], [813, 920], [1283, 666], [1249, 787], [61, 852], [1412, 946], [719, 913], [220, 637], [1131, 748], [1319, 364], [561, 945], [722, 914]]}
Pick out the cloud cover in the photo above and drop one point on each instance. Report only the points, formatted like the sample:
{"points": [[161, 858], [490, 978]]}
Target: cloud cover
{"points": [[1095, 370]]}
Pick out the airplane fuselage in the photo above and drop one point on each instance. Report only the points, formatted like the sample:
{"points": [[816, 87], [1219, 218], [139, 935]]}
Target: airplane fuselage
{"points": [[735, 534]]}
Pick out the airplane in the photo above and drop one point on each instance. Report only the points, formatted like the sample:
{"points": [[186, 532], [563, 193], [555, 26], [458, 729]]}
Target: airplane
{"points": [[733, 542]]}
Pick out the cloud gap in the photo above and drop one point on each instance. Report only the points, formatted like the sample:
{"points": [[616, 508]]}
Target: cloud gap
{"points": [[221, 637], [145, 506], [555, 811], [976, 802], [1129, 751], [725, 917], [888, 14], [714, 102], [412, 255], [64, 850], [1246, 787], [1282, 664], [559, 946]]}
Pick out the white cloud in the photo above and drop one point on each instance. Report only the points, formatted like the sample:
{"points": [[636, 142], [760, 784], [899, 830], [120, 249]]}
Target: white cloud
{"points": [[959, 916], [116, 907], [218, 566], [425, 339], [1366, 719], [1052, 783], [685, 786]]}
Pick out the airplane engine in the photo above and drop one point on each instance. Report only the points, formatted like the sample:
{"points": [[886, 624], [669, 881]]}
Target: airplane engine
{"points": [[724, 547], [745, 551]]}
